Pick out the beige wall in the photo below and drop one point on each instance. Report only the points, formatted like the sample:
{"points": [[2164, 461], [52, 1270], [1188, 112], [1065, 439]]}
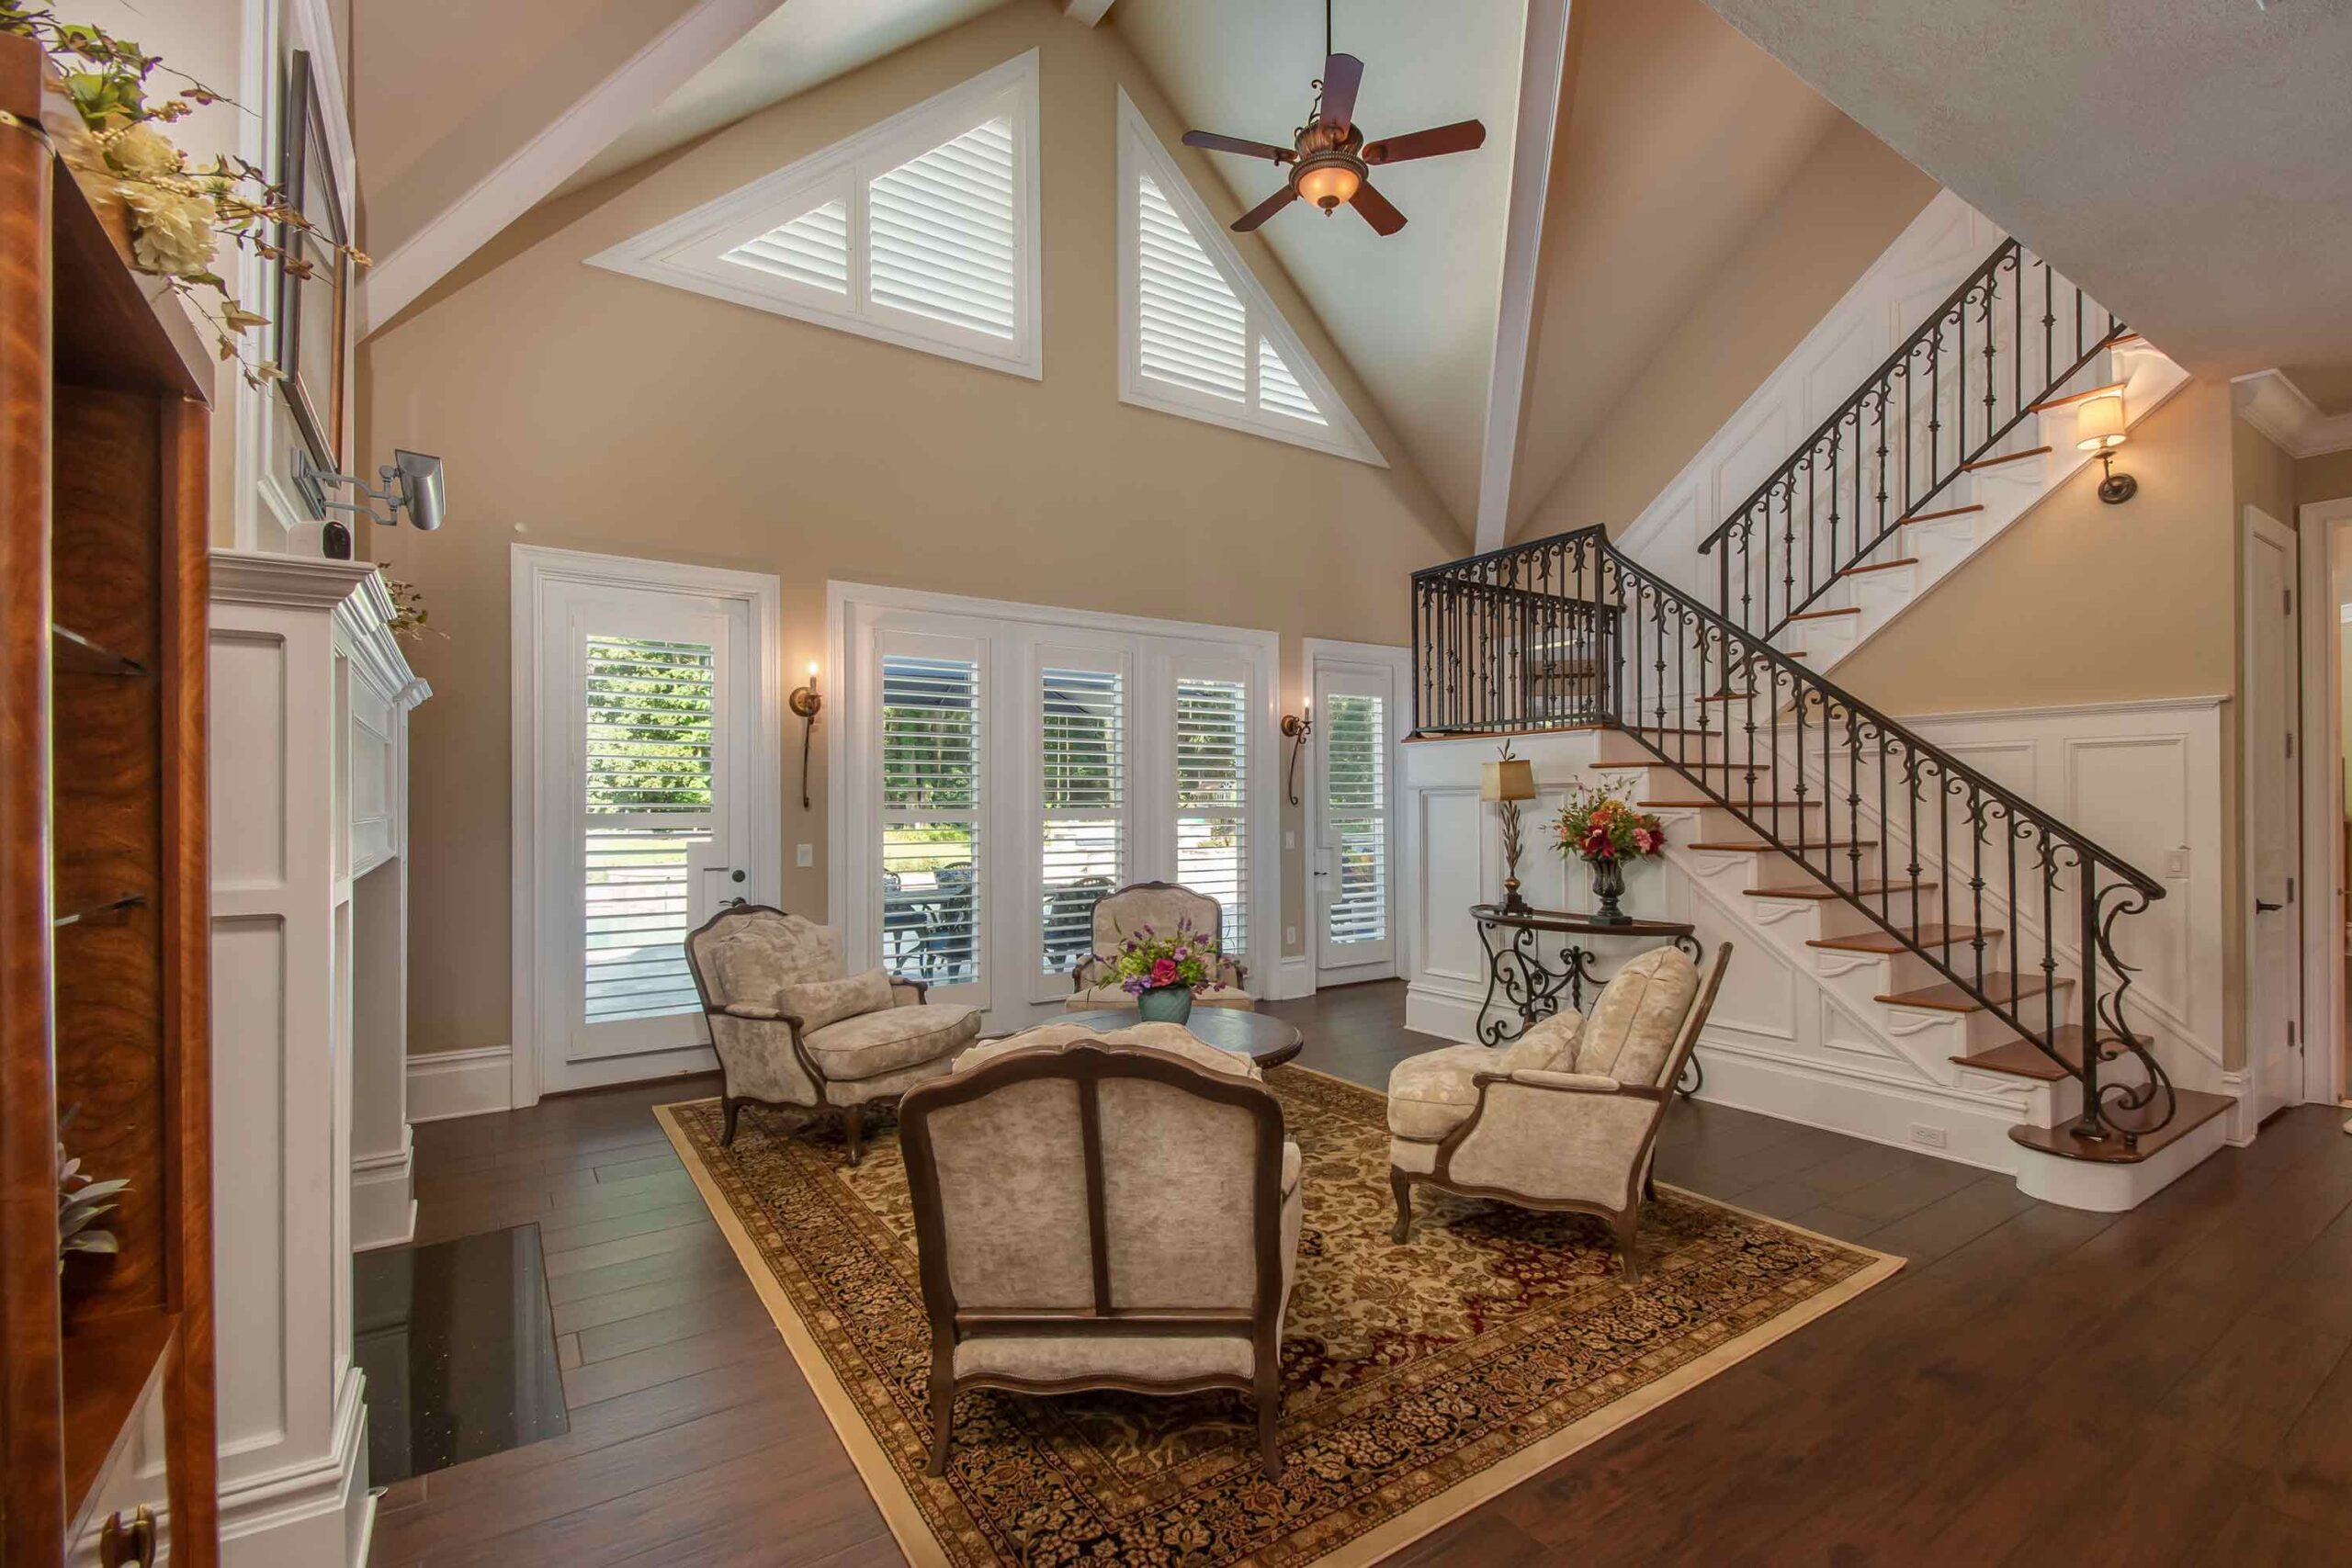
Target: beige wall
{"points": [[453, 88], [2324, 478], [1845, 203], [578, 408]]}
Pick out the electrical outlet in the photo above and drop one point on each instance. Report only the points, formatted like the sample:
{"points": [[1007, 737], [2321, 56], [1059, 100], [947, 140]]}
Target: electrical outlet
{"points": [[804, 855], [1929, 1137], [1290, 936]]}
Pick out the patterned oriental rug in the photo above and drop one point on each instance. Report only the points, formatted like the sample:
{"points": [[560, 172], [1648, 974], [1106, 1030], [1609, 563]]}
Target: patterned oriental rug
{"points": [[1419, 1380]]}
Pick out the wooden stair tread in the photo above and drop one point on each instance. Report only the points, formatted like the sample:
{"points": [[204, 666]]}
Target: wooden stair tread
{"points": [[1937, 936], [1757, 846], [2021, 1058], [1880, 566], [1822, 615], [2004, 458], [2191, 1110], [2071, 398], [1947, 511], [1948, 996], [1819, 891]]}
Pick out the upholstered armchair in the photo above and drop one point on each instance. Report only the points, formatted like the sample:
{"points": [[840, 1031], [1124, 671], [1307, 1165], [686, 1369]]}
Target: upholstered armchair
{"points": [[1566, 1116], [1102, 1210], [1158, 905], [791, 1029]]}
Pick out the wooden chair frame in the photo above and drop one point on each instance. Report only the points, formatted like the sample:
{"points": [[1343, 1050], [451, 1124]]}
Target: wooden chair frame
{"points": [[853, 1117], [1089, 1065], [1086, 962], [1625, 1222]]}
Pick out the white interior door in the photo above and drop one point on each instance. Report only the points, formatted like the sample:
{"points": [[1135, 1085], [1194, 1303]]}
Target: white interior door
{"points": [[649, 724], [2272, 814], [1353, 887]]}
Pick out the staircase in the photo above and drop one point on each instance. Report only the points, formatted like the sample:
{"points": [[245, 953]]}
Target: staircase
{"points": [[1971, 915], [1964, 428]]}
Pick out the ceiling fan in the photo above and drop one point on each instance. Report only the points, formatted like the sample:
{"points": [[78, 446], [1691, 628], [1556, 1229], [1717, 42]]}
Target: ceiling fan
{"points": [[1328, 157]]}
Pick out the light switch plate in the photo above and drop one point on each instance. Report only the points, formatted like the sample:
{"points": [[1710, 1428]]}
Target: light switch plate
{"points": [[804, 855]]}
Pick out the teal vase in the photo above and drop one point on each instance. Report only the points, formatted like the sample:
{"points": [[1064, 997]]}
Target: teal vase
{"points": [[1165, 1004]]}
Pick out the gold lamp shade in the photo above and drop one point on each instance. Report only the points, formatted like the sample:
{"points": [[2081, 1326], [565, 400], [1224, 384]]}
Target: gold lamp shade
{"points": [[2098, 422], [1514, 778]]}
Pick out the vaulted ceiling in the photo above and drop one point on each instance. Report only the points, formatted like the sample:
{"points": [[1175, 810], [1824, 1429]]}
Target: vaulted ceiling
{"points": [[1674, 133]]}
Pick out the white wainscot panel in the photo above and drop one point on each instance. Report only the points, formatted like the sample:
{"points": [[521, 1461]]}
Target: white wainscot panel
{"points": [[2141, 786], [247, 696], [248, 1112], [1450, 860]]}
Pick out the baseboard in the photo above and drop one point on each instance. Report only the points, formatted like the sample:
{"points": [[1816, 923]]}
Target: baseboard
{"points": [[460, 1083], [1294, 977], [313, 1514], [1745, 1078], [383, 1205], [1433, 1009]]}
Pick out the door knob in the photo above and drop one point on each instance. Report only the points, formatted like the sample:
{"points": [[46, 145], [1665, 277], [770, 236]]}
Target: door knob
{"points": [[2266, 907], [734, 876]]}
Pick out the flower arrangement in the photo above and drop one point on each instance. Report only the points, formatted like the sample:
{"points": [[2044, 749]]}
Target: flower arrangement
{"points": [[1150, 961], [409, 615], [178, 212], [1604, 832], [1596, 825]]}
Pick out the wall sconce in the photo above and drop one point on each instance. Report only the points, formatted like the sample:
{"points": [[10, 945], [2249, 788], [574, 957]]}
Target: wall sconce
{"points": [[1297, 729], [411, 480], [2100, 427], [806, 704], [1509, 780]]}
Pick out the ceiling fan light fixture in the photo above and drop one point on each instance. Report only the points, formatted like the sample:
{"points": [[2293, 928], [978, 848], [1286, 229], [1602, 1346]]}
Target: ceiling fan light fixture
{"points": [[1329, 185]]}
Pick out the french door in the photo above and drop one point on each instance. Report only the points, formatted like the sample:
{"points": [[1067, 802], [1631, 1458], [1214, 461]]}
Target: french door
{"points": [[647, 713], [1353, 890]]}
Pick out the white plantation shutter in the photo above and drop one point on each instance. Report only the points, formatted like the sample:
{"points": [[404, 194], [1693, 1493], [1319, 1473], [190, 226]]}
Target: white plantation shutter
{"points": [[1355, 794], [1212, 816], [943, 233], [1278, 390], [931, 887], [646, 757], [813, 250], [920, 230], [1083, 791], [1195, 332]]}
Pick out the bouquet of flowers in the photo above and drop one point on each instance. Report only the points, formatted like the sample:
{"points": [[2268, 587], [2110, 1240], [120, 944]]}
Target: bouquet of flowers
{"points": [[1604, 832], [1596, 825], [1150, 962]]}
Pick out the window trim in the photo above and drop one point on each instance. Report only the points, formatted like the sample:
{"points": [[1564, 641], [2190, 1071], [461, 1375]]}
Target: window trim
{"points": [[683, 251], [1141, 152]]}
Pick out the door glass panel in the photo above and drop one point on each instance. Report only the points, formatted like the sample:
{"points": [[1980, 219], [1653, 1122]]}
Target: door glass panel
{"points": [[647, 760], [931, 826], [1356, 809]]}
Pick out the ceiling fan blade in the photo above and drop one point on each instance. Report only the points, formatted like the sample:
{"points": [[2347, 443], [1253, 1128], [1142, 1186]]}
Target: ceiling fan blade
{"points": [[1264, 209], [1342, 75], [1385, 219], [1216, 143], [1459, 137]]}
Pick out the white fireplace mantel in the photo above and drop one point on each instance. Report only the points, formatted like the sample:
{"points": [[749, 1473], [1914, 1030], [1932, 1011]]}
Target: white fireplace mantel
{"points": [[310, 705]]}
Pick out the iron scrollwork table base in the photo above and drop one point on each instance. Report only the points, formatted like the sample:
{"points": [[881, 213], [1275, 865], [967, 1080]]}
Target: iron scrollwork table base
{"points": [[1517, 971]]}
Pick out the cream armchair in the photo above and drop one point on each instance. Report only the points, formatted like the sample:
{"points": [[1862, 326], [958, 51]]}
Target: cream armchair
{"points": [[791, 1029], [1566, 1117], [1102, 1210], [1158, 905]]}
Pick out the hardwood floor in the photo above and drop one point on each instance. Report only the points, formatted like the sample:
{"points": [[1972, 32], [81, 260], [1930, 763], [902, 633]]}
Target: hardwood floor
{"points": [[2039, 1385]]}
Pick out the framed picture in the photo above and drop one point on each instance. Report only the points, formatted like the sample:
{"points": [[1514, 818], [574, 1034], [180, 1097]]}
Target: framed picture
{"points": [[310, 310]]}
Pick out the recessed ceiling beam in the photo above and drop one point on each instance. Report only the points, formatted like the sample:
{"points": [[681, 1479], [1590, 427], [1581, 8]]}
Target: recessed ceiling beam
{"points": [[1087, 11], [698, 37], [1543, 62]]}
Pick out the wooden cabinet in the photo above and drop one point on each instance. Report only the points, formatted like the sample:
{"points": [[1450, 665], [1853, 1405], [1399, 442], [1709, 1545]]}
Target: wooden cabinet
{"points": [[104, 1009]]}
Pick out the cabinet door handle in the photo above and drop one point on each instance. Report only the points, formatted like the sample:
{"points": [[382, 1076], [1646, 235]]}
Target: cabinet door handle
{"points": [[129, 1544]]}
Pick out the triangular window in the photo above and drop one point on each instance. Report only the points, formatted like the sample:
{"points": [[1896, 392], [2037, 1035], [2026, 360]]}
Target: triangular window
{"points": [[920, 230], [1199, 336]]}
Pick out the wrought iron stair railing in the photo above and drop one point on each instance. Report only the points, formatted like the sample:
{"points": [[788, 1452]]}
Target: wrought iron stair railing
{"points": [[2004, 343], [1568, 633]]}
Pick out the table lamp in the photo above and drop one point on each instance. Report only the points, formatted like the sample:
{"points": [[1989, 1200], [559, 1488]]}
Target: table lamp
{"points": [[1509, 780]]}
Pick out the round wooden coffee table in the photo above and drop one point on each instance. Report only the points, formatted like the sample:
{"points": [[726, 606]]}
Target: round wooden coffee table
{"points": [[1269, 1041]]}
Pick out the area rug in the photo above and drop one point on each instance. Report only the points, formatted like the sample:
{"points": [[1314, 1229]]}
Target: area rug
{"points": [[1419, 1380]]}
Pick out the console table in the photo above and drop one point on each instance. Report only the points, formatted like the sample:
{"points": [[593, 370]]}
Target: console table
{"points": [[1515, 967]]}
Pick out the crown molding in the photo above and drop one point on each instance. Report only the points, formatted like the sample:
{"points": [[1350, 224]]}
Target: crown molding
{"points": [[2274, 405]]}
